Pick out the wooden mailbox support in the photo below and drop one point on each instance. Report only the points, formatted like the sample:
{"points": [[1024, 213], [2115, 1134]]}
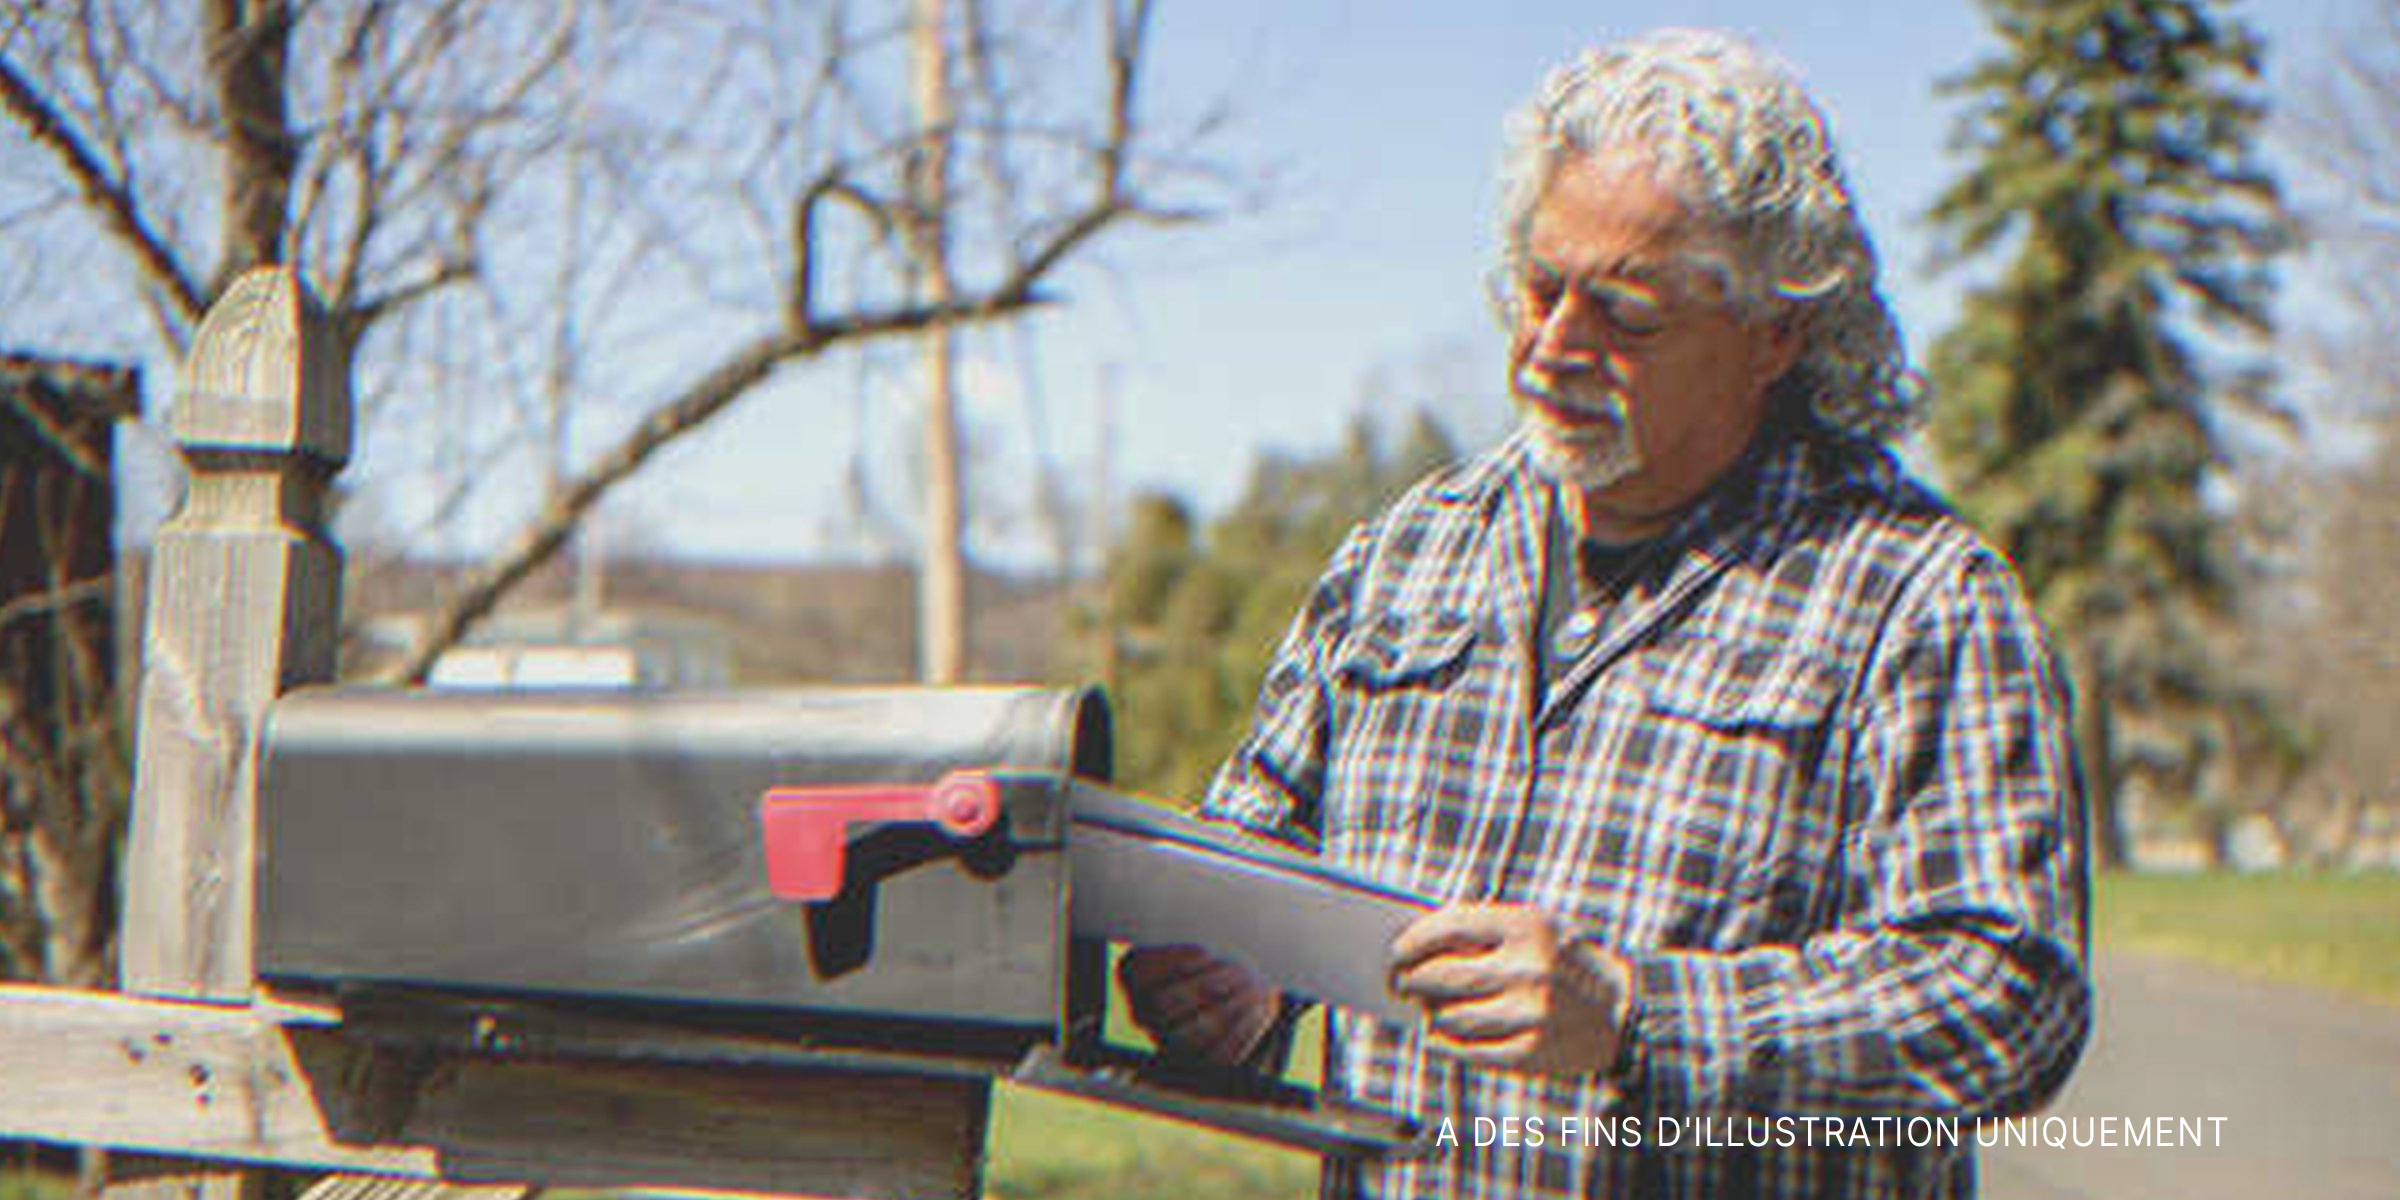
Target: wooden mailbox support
{"points": [[192, 1063]]}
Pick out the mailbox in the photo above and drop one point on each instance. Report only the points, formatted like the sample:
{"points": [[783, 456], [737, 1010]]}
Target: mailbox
{"points": [[875, 877]]}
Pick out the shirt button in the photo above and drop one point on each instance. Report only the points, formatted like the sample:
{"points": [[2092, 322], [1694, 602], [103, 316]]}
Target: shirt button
{"points": [[1576, 633]]}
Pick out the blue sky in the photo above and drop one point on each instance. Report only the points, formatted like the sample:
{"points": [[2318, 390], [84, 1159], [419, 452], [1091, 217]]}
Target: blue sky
{"points": [[1378, 126], [1391, 124]]}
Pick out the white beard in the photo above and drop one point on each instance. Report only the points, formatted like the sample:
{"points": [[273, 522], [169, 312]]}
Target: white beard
{"points": [[1587, 457]]}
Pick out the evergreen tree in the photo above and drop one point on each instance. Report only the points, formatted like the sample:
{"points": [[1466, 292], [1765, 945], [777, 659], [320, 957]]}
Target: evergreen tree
{"points": [[2114, 172], [1191, 616]]}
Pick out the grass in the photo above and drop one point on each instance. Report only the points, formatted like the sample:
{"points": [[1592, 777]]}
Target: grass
{"points": [[1060, 1148], [28, 1184], [1057, 1148], [2339, 932]]}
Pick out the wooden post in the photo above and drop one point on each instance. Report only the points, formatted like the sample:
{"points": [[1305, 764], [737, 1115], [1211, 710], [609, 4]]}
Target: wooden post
{"points": [[244, 603]]}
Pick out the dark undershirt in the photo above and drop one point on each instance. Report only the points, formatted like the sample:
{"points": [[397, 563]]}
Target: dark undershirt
{"points": [[1597, 580]]}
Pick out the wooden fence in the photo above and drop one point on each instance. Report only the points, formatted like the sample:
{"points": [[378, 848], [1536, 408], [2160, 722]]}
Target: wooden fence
{"points": [[191, 1070]]}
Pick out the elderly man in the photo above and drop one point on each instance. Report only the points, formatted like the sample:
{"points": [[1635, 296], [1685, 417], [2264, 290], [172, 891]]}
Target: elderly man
{"points": [[1738, 764]]}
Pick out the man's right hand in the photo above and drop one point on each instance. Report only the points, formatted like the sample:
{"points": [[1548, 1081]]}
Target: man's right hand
{"points": [[1196, 1005]]}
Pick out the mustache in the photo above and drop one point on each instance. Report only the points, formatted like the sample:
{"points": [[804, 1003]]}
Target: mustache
{"points": [[1578, 393]]}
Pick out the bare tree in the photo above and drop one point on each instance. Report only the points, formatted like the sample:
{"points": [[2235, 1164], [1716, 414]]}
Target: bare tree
{"points": [[380, 182], [2343, 125], [2326, 639], [63, 764], [413, 160]]}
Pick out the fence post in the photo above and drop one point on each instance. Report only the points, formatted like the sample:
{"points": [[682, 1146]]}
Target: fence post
{"points": [[244, 604]]}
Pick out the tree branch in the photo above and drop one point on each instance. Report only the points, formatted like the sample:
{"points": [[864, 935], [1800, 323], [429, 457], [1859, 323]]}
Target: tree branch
{"points": [[729, 381], [1126, 30], [103, 193], [800, 301], [54, 600], [1040, 250], [448, 269]]}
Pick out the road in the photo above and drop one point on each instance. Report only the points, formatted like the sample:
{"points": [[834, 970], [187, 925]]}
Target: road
{"points": [[2308, 1086]]}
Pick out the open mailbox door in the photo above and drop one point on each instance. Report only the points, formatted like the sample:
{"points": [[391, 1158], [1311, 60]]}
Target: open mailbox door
{"points": [[874, 879]]}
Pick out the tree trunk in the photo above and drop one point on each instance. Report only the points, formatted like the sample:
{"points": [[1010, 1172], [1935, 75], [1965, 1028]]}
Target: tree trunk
{"points": [[246, 43], [2102, 786], [941, 578]]}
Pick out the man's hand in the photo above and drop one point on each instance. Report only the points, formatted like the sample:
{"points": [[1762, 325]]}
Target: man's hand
{"points": [[1504, 986], [1196, 1005]]}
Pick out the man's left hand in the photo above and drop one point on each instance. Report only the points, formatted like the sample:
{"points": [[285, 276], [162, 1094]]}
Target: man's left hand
{"points": [[1504, 985]]}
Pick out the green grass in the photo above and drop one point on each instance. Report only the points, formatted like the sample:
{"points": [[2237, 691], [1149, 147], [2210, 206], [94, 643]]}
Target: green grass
{"points": [[25, 1183], [1058, 1148], [2339, 932]]}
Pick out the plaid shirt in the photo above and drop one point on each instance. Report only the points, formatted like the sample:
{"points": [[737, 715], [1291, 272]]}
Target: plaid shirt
{"points": [[1812, 777]]}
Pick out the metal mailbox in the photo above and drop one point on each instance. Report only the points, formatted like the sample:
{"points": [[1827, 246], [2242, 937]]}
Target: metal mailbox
{"points": [[845, 872]]}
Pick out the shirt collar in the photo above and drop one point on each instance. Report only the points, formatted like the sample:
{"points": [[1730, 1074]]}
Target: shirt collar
{"points": [[1790, 466]]}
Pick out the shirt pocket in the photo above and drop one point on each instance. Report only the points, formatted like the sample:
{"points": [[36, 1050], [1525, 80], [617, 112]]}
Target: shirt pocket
{"points": [[1398, 650], [1730, 742], [1411, 708]]}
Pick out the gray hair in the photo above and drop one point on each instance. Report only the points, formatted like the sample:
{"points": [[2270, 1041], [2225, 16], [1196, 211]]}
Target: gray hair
{"points": [[1731, 132]]}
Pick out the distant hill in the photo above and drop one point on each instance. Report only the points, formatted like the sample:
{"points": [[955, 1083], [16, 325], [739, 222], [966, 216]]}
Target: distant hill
{"points": [[789, 623]]}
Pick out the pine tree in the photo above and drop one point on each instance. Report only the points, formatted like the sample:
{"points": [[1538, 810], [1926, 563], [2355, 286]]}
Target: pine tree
{"points": [[2114, 174]]}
